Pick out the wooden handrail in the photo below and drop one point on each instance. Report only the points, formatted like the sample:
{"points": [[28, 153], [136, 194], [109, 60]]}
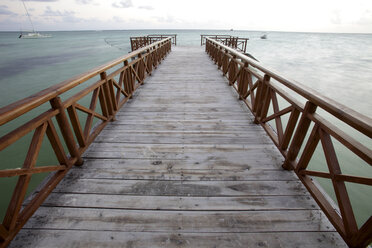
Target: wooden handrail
{"points": [[111, 90], [259, 95], [142, 41], [359, 121], [204, 36], [162, 36], [237, 43], [20, 107]]}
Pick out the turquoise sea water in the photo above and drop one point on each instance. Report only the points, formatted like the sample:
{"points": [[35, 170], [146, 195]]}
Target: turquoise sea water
{"points": [[337, 65]]}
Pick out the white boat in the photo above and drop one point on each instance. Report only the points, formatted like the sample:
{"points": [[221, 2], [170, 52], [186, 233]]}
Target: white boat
{"points": [[33, 34]]}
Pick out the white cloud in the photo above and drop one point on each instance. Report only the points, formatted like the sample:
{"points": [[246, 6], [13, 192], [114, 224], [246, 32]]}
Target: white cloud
{"points": [[84, 1], [284, 15], [123, 4], [168, 19], [5, 11], [40, 0], [49, 12], [147, 7], [62, 16]]}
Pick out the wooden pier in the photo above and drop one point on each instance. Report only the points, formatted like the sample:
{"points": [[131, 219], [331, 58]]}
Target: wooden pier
{"points": [[182, 165], [192, 156]]}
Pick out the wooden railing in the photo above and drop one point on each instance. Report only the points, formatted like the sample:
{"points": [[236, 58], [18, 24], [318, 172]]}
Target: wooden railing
{"points": [[234, 42], [142, 41], [260, 88], [112, 85]]}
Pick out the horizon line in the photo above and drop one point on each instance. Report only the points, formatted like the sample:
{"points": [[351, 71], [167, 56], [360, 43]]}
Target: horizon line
{"points": [[191, 29]]}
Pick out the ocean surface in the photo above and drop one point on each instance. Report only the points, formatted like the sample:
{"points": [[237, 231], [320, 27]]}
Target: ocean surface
{"points": [[337, 65]]}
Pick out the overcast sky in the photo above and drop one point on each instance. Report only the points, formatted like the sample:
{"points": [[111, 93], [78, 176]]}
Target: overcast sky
{"points": [[267, 15]]}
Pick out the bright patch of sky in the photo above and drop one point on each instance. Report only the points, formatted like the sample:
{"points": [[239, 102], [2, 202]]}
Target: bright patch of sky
{"points": [[267, 15]]}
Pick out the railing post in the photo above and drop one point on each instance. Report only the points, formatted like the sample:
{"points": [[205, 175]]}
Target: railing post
{"points": [[148, 61], [261, 93], [128, 85], [261, 100], [213, 53], [108, 97], [131, 43], [141, 69], [66, 130], [232, 70], [155, 54], [243, 82], [295, 113], [266, 98], [299, 135], [220, 56], [225, 62]]}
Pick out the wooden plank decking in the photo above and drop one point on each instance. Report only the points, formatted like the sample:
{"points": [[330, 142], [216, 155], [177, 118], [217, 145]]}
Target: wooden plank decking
{"points": [[182, 166]]}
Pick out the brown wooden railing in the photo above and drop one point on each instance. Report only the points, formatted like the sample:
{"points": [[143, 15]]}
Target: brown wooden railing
{"points": [[234, 42], [260, 88], [113, 84], [142, 41]]}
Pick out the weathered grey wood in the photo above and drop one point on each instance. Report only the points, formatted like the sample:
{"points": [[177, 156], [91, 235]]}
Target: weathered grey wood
{"points": [[179, 138], [191, 109], [182, 166], [190, 127], [180, 188], [156, 164], [96, 239], [183, 174], [207, 118], [185, 221], [259, 155], [135, 202]]}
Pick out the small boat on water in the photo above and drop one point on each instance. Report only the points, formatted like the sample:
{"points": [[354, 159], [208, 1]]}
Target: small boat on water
{"points": [[32, 34], [264, 37]]}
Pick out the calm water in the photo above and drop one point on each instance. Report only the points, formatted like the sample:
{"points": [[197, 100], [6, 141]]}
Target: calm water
{"points": [[337, 65]]}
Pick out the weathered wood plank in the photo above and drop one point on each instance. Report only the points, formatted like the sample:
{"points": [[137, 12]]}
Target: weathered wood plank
{"points": [[183, 122], [183, 100], [158, 164], [181, 138], [180, 188], [197, 148], [246, 155], [184, 92], [145, 115], [181, 174], [200, 109], [176, 126], [240, 159], [180, 203], [214, 133], [96, 239], [185, 221]]}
